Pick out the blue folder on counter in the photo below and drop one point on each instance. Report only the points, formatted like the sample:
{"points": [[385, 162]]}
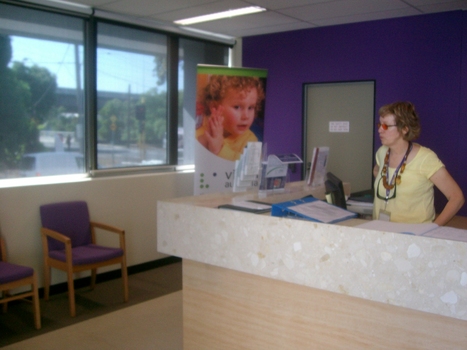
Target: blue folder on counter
{"points": [[310, 208]]}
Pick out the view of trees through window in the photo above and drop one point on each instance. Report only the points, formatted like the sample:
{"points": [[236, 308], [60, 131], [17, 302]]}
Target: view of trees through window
{"points": [[38, 130], [45, 128], [132, 97]]}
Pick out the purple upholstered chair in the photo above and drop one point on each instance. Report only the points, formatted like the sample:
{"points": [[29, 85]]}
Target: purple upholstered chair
{"points": [[14, 276], [69, 244]]}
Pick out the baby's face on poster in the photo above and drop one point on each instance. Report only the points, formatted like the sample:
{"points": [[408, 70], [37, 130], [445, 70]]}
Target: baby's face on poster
{"points": [[239, 110]]}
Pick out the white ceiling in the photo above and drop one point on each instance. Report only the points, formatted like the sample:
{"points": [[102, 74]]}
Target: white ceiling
{"points": [[281, 15]]}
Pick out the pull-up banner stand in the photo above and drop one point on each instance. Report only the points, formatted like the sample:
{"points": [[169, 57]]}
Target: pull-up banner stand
{"points": [[229, 114]]}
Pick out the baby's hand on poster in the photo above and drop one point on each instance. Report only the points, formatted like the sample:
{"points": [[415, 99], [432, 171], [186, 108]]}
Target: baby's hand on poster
{"points": [[215, 131]]}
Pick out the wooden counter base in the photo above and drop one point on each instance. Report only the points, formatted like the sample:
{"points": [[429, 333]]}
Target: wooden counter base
{"points": [[226, 309]]}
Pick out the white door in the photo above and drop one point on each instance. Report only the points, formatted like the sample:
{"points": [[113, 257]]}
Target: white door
{"points": [[341, 116]]}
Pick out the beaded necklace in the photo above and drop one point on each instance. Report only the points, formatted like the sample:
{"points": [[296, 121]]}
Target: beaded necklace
{"points": [[396, 175]]}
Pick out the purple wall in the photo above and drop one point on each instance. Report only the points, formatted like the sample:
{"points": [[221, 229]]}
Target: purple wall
{"points": [[419, 59]]}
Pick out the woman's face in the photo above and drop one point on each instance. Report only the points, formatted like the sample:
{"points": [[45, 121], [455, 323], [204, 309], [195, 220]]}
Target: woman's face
{"points": [[239, 110], [392, 135]]}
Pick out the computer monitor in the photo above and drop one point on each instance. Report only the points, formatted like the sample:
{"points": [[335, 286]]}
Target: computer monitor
{"points": [[335, 188]]}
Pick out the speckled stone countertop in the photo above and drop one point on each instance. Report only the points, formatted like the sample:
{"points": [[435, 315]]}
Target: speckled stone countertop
{"points": [[420, 273]]}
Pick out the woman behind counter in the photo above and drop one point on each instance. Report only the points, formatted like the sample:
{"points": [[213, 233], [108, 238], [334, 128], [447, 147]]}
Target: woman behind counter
{"points": [[405, 172]]}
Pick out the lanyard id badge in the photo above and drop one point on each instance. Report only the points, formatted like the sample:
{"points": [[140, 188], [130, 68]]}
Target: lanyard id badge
{"points": [[384, 215]]}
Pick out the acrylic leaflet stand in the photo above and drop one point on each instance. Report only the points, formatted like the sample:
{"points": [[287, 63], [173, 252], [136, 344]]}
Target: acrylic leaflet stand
{"points": [[247, 168], [274, 172]]}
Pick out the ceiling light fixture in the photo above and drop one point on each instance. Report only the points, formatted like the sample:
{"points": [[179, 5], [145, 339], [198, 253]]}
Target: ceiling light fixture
{"points": [[219, 15]]}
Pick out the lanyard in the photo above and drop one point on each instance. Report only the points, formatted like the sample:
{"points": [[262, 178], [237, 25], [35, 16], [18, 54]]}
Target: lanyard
{"points": [[397, 169]]}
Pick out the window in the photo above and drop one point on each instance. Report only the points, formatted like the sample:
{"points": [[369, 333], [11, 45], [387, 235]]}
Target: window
{"points": [[41, 95], [46, 125], [132, 97]]}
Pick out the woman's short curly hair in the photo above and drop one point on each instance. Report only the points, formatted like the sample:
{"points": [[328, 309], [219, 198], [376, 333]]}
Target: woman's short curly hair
{"points": [[216, 89], [405, 117]]}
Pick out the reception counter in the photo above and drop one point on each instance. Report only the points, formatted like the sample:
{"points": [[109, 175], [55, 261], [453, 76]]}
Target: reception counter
{"points": [[256, 281]]}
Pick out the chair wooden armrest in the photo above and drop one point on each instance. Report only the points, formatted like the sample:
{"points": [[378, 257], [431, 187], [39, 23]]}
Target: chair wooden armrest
{"points": [[55, 235], [59, 237], [109, 228], [106, 227]]}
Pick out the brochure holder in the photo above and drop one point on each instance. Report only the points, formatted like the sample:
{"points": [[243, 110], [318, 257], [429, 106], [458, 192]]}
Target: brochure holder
{"points": [[317, 172], [247, 168], [275, 170]]}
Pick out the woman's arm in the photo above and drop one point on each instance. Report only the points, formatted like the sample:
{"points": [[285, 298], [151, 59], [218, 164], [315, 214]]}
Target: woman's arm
{"points": [[449, 187], [376, 170]]}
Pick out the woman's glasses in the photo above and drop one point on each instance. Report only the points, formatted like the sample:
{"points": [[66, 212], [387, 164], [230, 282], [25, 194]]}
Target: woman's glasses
{"points": [[384, 126]]}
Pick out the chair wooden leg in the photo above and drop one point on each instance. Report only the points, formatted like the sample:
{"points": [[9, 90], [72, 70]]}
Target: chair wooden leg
{"points": [[46, 282], [35, 304], [125, 282], [71, 294], [93, 278], [5, 305]]}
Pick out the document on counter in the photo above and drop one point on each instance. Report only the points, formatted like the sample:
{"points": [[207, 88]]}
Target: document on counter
{"points": [[310, 208], [446, 232], [398, 227], [248, 206], [426, 230]]}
